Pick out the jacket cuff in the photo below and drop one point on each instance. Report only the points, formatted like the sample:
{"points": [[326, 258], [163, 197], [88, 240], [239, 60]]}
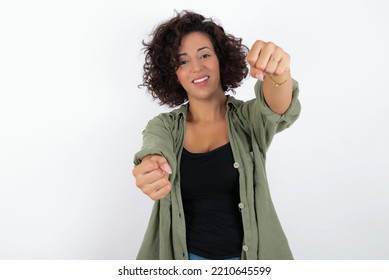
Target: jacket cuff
{"points": [[294, 107]]}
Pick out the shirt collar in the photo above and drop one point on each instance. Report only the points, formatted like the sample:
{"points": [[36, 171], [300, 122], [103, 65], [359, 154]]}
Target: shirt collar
{"points": [[231, 103]]}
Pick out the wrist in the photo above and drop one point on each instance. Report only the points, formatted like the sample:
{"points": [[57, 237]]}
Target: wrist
{"points": [[279, 80]]}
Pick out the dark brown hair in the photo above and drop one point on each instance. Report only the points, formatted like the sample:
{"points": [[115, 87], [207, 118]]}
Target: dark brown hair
{"points": [[161, 59]]}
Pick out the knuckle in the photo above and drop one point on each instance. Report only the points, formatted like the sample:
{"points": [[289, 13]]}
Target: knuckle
{"points": [[148, 164], [270, 45], [160, 173], [143, 188], [149, 193], [153, 196], [269, 72], [162, 183], [258, 42], [146, 191], [261, 65], [168, 187], [250, 59], [140, 183], [135, 171], [155, 158]]}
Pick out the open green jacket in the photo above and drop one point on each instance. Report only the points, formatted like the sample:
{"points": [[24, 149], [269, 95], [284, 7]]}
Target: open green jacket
{"points": [[251, 127]]}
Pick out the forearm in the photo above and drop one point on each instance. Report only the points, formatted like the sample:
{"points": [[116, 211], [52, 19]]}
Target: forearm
{"points": [[277, 91]]}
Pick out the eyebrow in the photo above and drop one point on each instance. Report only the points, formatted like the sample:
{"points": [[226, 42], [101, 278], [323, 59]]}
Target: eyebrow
{"points": [[198, 50]]}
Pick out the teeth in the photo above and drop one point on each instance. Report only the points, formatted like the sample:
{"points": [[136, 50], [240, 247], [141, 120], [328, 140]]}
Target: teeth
{"points": [[201, 80]]}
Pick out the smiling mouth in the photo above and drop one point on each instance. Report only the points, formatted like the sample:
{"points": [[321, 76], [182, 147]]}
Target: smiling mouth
{"points": [[200, 80]]}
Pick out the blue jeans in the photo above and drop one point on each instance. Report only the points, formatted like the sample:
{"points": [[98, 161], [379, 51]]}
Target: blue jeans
{"points": [[196, 257]]}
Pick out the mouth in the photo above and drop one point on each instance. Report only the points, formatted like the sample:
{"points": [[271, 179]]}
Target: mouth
{"points": [[200, 80]]}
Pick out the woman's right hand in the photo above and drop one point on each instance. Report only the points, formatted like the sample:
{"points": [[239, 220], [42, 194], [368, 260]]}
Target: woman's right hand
{"points": [[152, 176]]}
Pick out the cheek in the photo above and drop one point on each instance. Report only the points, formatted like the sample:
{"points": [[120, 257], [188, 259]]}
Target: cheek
{"points": [[215, 66], [179, 75]]}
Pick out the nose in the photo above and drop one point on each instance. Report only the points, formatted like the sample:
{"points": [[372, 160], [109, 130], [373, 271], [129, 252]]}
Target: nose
{"points": [[196, 65]]}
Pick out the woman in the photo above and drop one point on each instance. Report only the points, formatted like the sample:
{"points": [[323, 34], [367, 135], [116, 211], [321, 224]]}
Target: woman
{"points": [[204, 163]]}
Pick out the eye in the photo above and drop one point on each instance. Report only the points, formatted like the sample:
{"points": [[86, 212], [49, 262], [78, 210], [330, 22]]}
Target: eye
{"points": [[182, 62], [206, 55]]}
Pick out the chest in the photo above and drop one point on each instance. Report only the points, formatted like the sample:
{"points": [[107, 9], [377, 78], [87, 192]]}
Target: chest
{"points": [[205, 137], [209, 175]]}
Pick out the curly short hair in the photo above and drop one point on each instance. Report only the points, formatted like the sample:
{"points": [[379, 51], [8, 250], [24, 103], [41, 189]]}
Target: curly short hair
{"points": [[161, 60]]}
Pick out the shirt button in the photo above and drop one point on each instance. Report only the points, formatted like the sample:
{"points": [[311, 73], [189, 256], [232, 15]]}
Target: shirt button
{"points": [[236, 165], [241, 205], [245, 248]]}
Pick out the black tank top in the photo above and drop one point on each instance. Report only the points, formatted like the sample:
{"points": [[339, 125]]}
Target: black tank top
{"points": [[210, 194]]}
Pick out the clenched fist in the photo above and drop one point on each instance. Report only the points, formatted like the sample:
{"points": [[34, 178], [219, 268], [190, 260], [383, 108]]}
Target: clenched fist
{"points": [[152, 176], [267, 58]]}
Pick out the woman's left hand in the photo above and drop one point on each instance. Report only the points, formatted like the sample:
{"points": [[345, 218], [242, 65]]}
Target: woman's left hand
{"points": [[267, 58]]}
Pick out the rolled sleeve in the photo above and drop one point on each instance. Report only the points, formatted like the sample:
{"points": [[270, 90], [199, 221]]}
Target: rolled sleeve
{"points": [[157, 139], [280, 121]]}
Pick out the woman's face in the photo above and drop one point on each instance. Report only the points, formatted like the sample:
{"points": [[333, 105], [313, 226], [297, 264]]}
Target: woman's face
{"points": [[198, 70]]}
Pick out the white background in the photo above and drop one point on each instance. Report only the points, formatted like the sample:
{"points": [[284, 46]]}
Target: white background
{"points": [[71, 118]]}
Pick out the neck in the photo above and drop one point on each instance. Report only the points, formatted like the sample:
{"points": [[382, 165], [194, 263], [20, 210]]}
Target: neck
{"points": [[207, 110]]}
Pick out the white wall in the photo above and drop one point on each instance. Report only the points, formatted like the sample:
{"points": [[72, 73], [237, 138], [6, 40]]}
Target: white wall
{"points": [[71, 118]]}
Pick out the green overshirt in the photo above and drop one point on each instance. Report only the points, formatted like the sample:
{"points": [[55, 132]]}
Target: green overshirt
{"points": [[251, 127]]}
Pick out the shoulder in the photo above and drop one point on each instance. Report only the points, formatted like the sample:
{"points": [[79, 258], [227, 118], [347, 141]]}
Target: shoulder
{"points": [[233, 102], [169, 119]]}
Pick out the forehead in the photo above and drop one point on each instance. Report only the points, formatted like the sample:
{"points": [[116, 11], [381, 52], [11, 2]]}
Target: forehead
{"points": [[194, 40]]}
